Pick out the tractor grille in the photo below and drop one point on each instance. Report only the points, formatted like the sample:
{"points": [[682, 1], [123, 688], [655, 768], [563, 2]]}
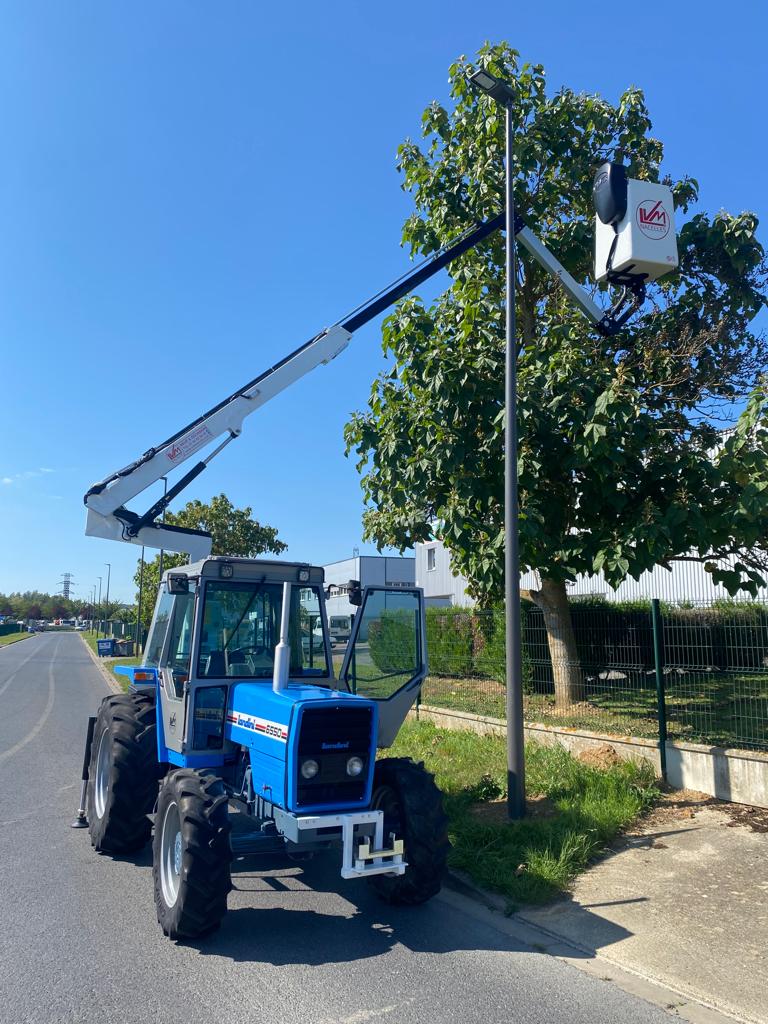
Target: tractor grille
{"points": [[348, 730]]}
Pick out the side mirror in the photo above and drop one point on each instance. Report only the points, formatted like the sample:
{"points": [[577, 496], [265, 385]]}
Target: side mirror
{"points": [[178, 583], [354, 593]]}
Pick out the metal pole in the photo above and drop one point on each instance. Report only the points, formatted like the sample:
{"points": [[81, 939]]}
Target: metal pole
{"points": [[661, 704], [513, 630], [80, 819], [138, 615], [98, 622], [162, 553], [106, 602]]}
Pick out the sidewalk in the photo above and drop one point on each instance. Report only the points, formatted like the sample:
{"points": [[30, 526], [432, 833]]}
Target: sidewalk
{"points": [[683, 901]]}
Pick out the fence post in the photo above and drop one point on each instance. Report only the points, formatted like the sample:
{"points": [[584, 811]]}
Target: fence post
{"points": [[658, 658]]}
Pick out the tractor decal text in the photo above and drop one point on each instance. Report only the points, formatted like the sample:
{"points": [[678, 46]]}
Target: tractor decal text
{"points": [[260, 725]]}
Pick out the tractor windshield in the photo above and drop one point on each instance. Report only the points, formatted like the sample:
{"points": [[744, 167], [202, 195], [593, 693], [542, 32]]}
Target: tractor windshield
{"points": [[241, 628]]}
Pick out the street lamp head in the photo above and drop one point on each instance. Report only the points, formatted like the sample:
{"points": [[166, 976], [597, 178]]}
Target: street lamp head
{"points": [[492, 86]]}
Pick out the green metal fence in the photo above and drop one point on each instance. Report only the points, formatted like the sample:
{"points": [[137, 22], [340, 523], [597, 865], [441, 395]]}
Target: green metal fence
{"points": [[698, 672], [6, 628]]}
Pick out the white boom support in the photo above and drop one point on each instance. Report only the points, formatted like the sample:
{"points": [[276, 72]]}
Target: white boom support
{"points": [[103, 503]]}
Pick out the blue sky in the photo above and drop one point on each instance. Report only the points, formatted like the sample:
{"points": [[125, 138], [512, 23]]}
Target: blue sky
{"points": [[190, 190]]}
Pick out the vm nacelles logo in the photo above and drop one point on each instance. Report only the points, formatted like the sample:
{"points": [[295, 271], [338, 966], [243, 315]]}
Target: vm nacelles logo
{"points": [[653, 219]]}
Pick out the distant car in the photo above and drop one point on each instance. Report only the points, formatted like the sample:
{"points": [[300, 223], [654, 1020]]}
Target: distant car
{"points": [[80, 628], [317, 641]]}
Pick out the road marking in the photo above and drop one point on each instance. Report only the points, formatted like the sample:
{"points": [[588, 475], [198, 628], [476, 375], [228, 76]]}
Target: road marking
{"points": [[13, 675], [362, 1016], [40, 722]]}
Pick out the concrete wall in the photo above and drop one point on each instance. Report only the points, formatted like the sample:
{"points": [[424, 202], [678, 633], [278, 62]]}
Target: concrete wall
{"points": [[740, 776]]}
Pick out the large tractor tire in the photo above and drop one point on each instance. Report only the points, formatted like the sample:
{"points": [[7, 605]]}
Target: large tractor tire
{"points": [[413, 810], [123, 773], [191, 854]]}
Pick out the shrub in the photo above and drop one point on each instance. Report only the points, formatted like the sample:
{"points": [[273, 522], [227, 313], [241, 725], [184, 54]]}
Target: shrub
{"points": [[450, 641], [392, 641]]}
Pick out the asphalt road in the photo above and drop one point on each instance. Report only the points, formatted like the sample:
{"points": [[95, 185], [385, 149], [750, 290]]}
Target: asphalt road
{"points": [[79, 940]]}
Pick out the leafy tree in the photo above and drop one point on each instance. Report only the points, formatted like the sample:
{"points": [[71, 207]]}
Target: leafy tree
{"points": [[112, 610], [622, 465], [233, 532]]}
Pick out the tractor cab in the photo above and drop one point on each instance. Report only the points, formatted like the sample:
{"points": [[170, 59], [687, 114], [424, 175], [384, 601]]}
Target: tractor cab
{"points": [[215, 655]]}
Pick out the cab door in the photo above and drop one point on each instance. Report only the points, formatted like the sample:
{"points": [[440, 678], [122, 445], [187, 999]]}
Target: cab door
{"points": [[168, 650], [386, 657]]}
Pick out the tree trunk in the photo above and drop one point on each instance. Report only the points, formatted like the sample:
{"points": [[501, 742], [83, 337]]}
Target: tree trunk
{"points": [[566, 666]]}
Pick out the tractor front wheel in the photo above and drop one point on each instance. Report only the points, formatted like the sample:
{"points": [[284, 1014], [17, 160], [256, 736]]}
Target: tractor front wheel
{"points": [[413, 810], [123, 773], [191, 854]]}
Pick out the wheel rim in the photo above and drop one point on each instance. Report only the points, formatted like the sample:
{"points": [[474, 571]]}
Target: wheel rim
{"points": [[101, 784], [171, 854]]}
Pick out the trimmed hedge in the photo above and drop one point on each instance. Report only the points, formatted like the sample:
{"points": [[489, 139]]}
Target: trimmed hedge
{"points": [[392, 641], [464, 642]]}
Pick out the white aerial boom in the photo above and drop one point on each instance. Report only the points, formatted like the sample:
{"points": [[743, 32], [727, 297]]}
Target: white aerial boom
{"points": [[634, 230]]}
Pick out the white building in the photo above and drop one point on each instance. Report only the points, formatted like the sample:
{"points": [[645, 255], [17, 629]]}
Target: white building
{"points": [[370, 570], [434, 574], [686, 581]]}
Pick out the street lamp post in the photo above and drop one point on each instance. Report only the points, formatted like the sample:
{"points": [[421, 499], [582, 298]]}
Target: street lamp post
{"points": [[98, 623], [141, 593], [162, 553], [106, 602], [503, 94]]}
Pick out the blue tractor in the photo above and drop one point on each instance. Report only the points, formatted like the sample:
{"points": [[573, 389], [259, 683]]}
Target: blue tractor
{"points": [[239, 716]]}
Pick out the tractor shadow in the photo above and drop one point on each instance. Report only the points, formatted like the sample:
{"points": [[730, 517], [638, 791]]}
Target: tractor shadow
{"points": [[304, 914]]}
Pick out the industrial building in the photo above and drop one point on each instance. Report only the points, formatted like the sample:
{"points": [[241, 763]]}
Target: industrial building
{"points": [[685, 581], [370, 570]]}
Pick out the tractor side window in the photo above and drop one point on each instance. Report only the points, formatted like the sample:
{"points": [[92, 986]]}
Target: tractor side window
{"points": [[156, 638], [387, 652], [180, 643]]}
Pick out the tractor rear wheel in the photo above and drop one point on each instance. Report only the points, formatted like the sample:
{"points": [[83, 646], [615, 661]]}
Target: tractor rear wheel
{"points": [[123, 773], [191, 854], [413, 810]]}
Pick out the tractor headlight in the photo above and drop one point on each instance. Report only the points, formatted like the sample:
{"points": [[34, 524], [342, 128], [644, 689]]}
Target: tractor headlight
{"points": [[355, 765], [310, 768]]}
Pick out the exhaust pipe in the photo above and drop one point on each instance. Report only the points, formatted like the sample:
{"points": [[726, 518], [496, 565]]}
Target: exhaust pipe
{"points": [[80, 820], [283, 649]]}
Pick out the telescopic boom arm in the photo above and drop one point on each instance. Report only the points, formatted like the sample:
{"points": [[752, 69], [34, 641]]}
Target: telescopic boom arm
{"points": [[107, 515]]}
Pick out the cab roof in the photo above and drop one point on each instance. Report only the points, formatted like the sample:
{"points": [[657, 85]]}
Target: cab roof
{"points": [[249, 568]]}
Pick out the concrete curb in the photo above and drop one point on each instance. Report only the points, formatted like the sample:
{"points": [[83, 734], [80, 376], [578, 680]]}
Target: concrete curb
{"points": [[738, 776], [109, 679], [676, 1002]]}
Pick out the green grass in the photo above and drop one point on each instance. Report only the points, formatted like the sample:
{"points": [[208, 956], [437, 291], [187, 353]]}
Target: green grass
{"points": [[90, 638], [723, 708], [11, 638], [576, 810]]}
